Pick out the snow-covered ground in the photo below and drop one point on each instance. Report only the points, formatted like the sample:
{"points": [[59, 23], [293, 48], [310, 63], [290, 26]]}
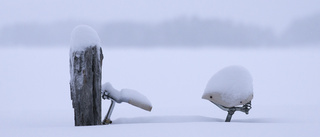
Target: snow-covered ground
{"points": [[35, 96]]}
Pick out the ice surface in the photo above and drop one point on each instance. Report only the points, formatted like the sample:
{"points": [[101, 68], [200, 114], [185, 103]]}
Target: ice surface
{"points": [[128, 95], [230, 87], [84, 36]]}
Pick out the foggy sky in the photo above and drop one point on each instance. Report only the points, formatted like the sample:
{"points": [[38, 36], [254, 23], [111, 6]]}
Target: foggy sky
{"points": [[276, 14]]}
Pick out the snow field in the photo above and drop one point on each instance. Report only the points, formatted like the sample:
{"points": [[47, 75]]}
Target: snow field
{"points": [[35, 95]]}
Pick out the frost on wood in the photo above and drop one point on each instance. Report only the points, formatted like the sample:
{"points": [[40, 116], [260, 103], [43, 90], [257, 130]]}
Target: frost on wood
{"points": [[85, 71], [127, 95], [231, 86]]}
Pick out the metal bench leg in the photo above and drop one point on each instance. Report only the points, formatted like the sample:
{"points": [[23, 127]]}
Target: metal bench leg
{"points": [[107, 120], [245, 108], [230, 113]]}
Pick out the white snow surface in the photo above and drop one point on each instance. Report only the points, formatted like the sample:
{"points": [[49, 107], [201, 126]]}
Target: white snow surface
{"points": [[84, 36], [128, 95], [231, 86], [35, 93]]}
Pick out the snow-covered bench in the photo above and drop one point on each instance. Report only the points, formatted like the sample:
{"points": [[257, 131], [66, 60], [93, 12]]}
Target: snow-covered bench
{"points": [[230, 88], [125, 95]]}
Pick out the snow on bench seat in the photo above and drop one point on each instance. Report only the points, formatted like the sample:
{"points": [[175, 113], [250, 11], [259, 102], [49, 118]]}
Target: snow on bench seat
{"points": [[229, 87], [127, 95]]}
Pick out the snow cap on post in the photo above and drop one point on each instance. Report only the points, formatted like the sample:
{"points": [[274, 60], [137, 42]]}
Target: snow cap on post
{"points": [[231, 86], [83, 36]]}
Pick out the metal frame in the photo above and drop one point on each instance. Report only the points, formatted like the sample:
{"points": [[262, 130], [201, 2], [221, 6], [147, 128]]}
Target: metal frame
{"points": [[245, 108], [107, 120]]}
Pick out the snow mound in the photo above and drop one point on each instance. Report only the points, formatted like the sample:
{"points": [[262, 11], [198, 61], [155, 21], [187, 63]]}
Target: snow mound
{"points": [[231, 86], [127, 95], [84, 36]]}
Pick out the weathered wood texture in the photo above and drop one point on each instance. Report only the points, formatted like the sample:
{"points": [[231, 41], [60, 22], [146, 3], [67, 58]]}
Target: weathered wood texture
{"points": [[85, 85]]}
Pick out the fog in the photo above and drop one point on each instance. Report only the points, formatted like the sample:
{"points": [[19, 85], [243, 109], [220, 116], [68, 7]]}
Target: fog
{"points": [[178, 23], [167, 50]]}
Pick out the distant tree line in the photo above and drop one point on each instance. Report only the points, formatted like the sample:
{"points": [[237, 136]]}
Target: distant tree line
{"points": [[193, 32], [186, 32], [303, 31]]}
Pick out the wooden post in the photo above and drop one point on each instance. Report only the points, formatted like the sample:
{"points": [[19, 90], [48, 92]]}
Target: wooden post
{"points": [[85, 84]]}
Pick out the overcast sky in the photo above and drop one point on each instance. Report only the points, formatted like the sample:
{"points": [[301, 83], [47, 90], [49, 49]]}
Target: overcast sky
{"points": [[267, 13]]}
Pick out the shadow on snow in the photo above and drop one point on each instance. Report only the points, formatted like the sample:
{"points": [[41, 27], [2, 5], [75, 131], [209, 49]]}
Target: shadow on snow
{"points": [[166, 119], [186, 119]]}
